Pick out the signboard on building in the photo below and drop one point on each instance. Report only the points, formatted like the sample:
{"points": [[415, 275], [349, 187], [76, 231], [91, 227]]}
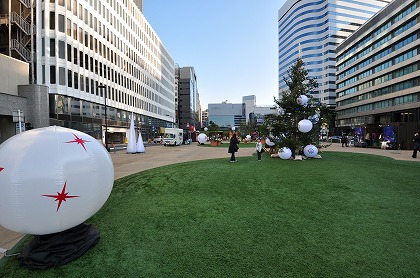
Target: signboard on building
{"points": [[21, 129]]}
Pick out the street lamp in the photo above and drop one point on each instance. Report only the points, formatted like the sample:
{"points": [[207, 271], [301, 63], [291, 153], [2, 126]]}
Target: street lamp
{"points": [[106, 117]]}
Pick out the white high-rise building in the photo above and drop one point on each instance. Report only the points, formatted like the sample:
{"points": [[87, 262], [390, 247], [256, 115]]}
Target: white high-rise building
{"points": [[312, 30], [93, 54]]}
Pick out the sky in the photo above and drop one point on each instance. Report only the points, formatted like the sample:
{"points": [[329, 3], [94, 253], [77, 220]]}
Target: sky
{"points": [[232, 45]]}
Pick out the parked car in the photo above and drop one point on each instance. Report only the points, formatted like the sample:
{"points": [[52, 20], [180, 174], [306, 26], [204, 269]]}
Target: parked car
{"points": [[157, 140], [334, 139]]}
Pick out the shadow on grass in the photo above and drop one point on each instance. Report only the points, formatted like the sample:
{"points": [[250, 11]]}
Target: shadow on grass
{"points": [[346, 215]]}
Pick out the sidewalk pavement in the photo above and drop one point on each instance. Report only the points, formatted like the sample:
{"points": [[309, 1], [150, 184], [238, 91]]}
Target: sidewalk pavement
{"points": [[159, 155]]}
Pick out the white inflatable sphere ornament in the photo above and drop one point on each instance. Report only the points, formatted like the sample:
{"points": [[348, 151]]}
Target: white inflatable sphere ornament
{"points": [[52, 179], [302, 100], [305, 125], [248, 137], [310, 151], [285, 153], [205, 129], [314, 119], [269, 143], [233, 128], [202, 138]]}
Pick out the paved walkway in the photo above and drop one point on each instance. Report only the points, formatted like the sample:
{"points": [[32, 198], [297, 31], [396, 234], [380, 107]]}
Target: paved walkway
{"points": [[159, 155]]}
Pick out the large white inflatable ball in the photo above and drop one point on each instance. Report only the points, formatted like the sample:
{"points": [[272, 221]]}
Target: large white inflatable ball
{"points": [[285, 153], [52, 179], [248, 137], [302, 100], [202, 138], [310, 151], [305, 126]]}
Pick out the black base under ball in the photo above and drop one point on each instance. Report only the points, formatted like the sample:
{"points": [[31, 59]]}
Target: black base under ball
{"points": [[59, 248]]}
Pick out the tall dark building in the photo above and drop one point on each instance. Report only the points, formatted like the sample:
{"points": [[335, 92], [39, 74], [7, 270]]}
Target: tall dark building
{"points": [[188, 99]]}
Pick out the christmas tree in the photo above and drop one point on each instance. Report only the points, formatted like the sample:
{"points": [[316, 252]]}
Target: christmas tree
{"points": [[297, 104]]}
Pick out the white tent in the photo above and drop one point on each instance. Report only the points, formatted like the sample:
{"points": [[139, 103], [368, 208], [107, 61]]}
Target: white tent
{"points": [[131, 146], [140, 145]]}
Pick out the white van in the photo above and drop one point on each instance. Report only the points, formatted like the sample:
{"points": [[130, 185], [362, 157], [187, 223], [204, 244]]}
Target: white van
{"points": [[173, 136]]}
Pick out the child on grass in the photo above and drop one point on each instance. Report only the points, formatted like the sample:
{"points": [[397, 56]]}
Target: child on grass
{"points": [[258, 148]]}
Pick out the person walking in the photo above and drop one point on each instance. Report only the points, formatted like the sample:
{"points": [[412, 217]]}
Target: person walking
{"points": [[233, 147], [344, 141], [258, 148], [416, 144], [367, 139]]}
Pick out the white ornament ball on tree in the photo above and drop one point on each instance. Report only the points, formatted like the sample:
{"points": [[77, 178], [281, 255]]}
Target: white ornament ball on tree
{"points": [[285, 153], [310, 151], [280, 111], [302, 100], [269, 143], [305, 125]]}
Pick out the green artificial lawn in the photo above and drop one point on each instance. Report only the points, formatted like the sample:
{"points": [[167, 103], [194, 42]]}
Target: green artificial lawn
{"points": [[345, 215]]}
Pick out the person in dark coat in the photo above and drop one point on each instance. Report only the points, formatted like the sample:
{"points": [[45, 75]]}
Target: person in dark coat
{"points": [[416, 145], [233, 147], [344, 141]]}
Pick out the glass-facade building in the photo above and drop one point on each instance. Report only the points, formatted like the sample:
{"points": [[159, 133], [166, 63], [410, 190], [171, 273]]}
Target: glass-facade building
{"points": [[312, 30], [227, 115], [94, 54], [378, 75]]}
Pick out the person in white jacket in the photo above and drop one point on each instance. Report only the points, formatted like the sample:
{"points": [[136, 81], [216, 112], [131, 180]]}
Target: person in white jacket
{"points": [[258, 148]]}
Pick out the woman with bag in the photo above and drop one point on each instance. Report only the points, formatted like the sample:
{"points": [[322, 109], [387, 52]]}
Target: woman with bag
{"points": [[233, 147]]}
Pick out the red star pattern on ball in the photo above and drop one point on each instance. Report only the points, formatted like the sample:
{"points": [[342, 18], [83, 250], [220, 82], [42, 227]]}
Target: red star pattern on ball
{"points": [[1, 169], [60, 197], [79, 141]]}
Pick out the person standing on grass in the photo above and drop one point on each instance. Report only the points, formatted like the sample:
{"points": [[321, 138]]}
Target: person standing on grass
{"points": [[416, 145], [233, 147], [258, 148]]}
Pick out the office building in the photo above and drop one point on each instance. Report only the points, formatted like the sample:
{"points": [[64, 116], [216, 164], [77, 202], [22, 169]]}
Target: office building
{"points": [[188, 100], [226, 115], [205, 118], [312, 30], [378, 76], [256, 114], [250, 103], [93, 59]]}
